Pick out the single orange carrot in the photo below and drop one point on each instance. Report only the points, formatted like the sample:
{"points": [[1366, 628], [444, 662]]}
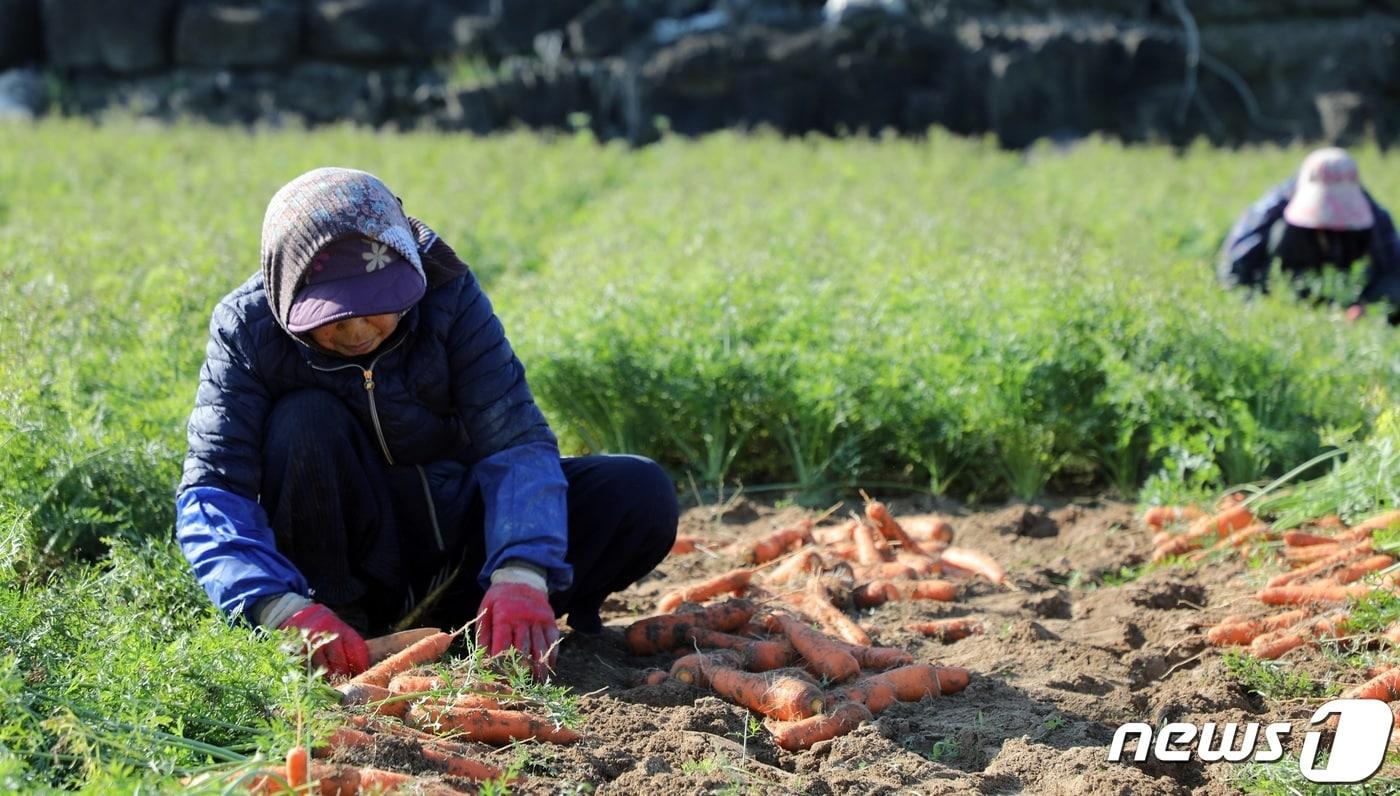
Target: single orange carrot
{"points": [[825, 656], [800, 562], [416, 684], [1310, 553], [382, 700], [1243, 631], [922, 563], [685, 545], [651, 677], [690, 669], [866, 552], [297, 761], [777, 543], [818, 603], [890, 570], [382, 647], [758, 656], [874, 593], [1351, 553], [663, 633], [834, 534], [1221, 524], [459, 765], [1306, 539], [879, 657], [732, 582], [913, 683], [949, 630], [1363, 530], [1274, 645], [1160, 516], [778, 696], [795, 736], [928, 529], [976, 561], [426, 650], [340, 738], [1384, 686], [1359, 570], [1304, 595], [940, 590], [872, 692], [889, 528], [488, 726]]}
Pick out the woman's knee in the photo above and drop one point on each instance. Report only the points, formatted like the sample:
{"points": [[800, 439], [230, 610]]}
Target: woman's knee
{"points": [[306, 420], [652, 492]]}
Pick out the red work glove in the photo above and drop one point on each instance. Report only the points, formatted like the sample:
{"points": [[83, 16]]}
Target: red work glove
{"points": [[346, 654], [517, 615], [1354, 312]]}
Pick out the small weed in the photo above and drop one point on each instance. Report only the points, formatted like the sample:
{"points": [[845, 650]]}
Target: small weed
{"points": [[945, 749], [1270, 679], [1052, 723]]}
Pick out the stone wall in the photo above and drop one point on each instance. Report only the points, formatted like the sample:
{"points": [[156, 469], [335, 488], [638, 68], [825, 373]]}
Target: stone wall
{"points": [[1232, 70]]}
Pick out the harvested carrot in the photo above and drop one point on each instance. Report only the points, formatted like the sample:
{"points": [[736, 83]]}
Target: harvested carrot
{"points": [[476, 701], [297, 761], [1305, 539], [425, 650], [817, 602], [1355, 551], [834, 534], [1359, 570], [1304, 595], [382, 700], [460, 766], [949, 630], [1221, 524], [1363, 530], [1162, 537], [872, 692], [890, 570], [879, 657], [416, 684], [652, 677], [1391, 635], [778, 696], [913, 683], [777, 543], [866, 552], [488, 726], [1330, 522], [1310, 553], [976, 561], [340, 738], [929, 529], [685, 545], [664, 633], [1274, 645], [757, 656], [921, 563], [875, 593], [732, 582], [690, 669], [825, 656], [382, 647], [798, 735], [1244, 631], [1248, 533], [1160, 516], [803, 561], [940, 590], [1384, 686], [890, 528]]}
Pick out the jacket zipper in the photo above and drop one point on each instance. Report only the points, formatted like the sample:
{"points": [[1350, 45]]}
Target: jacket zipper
{"points": [[368, 374]]}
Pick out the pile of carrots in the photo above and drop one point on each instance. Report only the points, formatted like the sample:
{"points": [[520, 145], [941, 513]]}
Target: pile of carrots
{"points": [[813, 684], [807, 685], [863, 563], [402, 697], [1327, 560]]}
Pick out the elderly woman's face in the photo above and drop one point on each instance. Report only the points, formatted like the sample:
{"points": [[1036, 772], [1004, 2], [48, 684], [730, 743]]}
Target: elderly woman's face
{"points": [[355, 337]]}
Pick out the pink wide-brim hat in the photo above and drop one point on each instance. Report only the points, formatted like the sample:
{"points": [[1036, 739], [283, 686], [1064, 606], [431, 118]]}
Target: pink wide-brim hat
{"points": [[1328, 194]]}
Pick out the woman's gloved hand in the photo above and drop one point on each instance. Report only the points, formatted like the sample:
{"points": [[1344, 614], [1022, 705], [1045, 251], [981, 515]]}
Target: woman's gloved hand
{"points": [[515, 613], [345, 655]]}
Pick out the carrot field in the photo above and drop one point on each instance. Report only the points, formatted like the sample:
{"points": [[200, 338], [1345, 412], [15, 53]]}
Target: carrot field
{"points": [[1028, 348]]}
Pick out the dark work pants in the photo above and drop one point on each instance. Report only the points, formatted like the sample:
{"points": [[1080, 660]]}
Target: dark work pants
{"points": [[359, 530]]}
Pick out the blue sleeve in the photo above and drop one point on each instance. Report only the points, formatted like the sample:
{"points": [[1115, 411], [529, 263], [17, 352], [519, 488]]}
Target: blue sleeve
{"points": [[229, 544], [525, 495], [1383, 273], [1244, 257]]}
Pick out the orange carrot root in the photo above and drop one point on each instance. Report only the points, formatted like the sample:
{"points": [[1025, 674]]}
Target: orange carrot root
{"points": [[1305, 595], [1385, 686], [949, 630], [825, 656], [777, 696], [940, 590], [757, 656], [875, 593], [976, 561], [1240, 632], [425, 651], [866, 552], [488, 726], [732, 582], [777, 543], [913, 683], [382, 700], [685, 545], [1159, 516], [665, 633], [798, 735], [297, 762], [889, 528]]}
